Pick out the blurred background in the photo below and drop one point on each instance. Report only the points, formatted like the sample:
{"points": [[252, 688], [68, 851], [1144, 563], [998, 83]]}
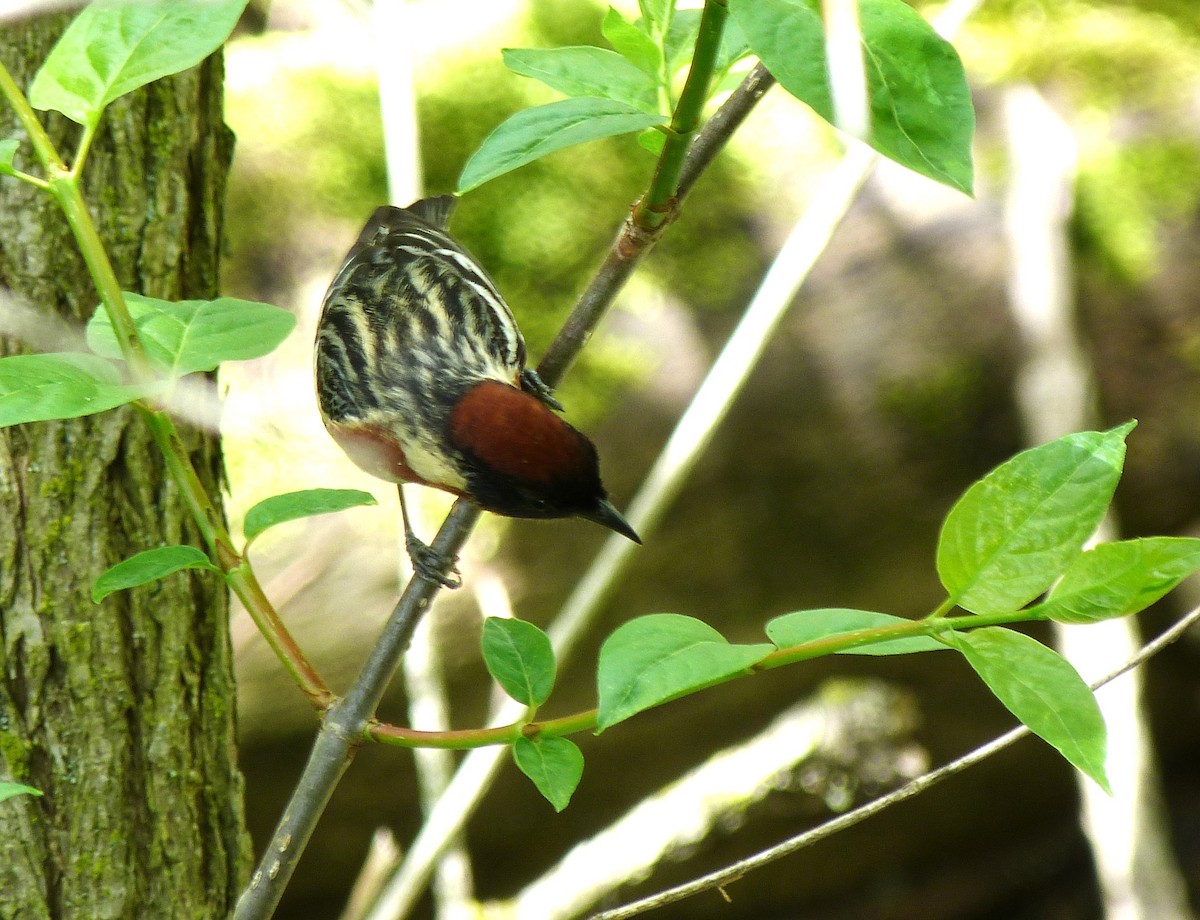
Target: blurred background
{"points": [[932, 341]]}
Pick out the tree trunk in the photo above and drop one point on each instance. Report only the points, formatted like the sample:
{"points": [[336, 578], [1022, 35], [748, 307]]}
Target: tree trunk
{"points": [[122, 713]]}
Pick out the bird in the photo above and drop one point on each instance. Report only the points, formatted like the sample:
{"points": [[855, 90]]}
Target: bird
{"points": [[421, 378]]}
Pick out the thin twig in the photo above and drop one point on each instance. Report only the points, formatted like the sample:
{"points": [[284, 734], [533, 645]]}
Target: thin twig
{"points": [[736, 871]]}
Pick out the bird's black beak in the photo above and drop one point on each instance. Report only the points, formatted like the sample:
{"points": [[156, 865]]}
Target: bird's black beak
{"points": [[607, 516]]}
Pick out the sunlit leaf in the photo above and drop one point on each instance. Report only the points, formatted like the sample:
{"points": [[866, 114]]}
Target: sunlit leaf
{"points": [[185, 336], [1118, 579], [632, 43], [921, 113], [8, 790], [656, 658], [291, 506], [37, 388], [518, 655], [1041, 689], [112, 48], [149, 566], [8, 152], [585, 71], [554, 764], [1013, 532], [533, 133]]}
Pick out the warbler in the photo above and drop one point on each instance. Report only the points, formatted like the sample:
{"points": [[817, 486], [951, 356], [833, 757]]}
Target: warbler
{"points": [[421, 378]]}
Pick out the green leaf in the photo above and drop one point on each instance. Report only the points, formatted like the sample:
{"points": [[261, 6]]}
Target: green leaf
{"points": [[1013, 532], [1041, 689], [660, 657], [291, 506], [518, 655], [734, 47], [112, 48], [8, 790], [652, 140], [921, 114], [585, 71], [8, 152], [37, 388], [534, 133], [149, 566], [680, 41], [554, 764], [185, 336], [632, 43], [1118, 579], [656, 15], [809, 625]]}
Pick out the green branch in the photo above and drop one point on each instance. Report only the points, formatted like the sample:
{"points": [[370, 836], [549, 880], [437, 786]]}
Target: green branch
{"points": [[466, 739], [64, 186], [656, 207]]}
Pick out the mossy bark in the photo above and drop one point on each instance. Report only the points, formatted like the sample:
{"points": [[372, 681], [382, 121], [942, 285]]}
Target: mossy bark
{"points": [[122, 713]]}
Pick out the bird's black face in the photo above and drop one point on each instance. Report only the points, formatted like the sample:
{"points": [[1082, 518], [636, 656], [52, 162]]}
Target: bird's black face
{"points": [[580, 497], [552, 499]]}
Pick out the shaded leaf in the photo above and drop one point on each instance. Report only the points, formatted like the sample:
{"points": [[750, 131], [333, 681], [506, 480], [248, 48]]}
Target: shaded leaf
{"points": [[8, 790], [585, 71], [656, 658], [809, 625], [518, 655], [185, 336], [291, 506], [533, 133], [148, 566], [680, 40], [1118, 579], [37, 388], [921, 113], [112, 48], [554, 764], [1013, 532], [1040, 688]]}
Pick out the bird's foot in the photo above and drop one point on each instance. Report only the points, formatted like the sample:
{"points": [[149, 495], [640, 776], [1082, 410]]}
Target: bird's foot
{"points": [[535, 385], [431, 565]]}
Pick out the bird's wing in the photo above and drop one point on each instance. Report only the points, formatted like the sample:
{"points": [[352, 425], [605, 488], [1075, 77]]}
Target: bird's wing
{"points": [[410, 303]]}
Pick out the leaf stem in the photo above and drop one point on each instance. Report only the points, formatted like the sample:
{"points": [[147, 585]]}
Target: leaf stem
{"points": [[656, 207], [464, 739]]}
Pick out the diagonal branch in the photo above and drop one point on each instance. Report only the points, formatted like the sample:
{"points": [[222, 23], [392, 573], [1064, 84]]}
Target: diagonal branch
{"points": [[346, 724]]}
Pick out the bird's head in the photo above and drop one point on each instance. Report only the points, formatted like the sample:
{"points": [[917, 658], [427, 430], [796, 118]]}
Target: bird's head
{"points": [[522, 460]]}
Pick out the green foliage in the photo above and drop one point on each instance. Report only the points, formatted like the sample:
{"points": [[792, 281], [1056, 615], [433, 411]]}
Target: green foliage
{"points": [[148, 566], [554, 764], [1042, 690], [113, 48], [812, 625], [1119, 579], [186, 336], [38, 388], [1012, 534], [921, 114], [8, 152], [586, 71], [8, 790], [663, 656], [534, 133], [519, 657], [279, 509]]}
